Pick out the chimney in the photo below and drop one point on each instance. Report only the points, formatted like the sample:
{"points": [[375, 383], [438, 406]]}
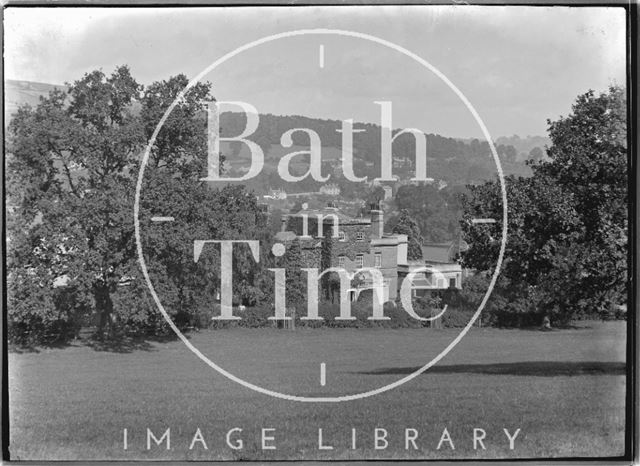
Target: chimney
{"points": [[283, 223], [377, 224]]}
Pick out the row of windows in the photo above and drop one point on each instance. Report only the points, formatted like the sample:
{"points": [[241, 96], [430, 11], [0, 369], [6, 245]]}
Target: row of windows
{"points": [[343, 237], [377, 260]]}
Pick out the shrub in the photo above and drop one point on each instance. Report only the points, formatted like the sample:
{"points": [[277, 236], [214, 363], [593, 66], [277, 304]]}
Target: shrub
{"points": [[456, 317], [37, 314]]}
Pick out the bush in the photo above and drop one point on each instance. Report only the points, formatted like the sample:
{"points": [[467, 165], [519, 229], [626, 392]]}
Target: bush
{"points": [[37, 314], [258, 316], [456, 317]]}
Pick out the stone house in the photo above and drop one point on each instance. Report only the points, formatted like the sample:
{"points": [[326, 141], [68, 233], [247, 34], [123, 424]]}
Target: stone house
{"points": [[329, 238]]}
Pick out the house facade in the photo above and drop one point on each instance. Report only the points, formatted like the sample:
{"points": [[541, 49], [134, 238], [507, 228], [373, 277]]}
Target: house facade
{"points": [[330, 239], [443, 271]]}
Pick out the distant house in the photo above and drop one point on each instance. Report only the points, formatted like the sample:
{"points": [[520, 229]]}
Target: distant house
{"points": [[331, 189], [278, 194], [358, 243], [361, 243]]}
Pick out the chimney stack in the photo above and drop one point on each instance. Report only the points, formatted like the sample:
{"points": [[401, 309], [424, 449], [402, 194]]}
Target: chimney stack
{"points": [[377, 224]]}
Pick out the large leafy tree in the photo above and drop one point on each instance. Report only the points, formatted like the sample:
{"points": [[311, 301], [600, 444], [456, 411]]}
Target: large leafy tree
{"points": [[77, 149], [589, 160], [71, 172], [567, 244]]}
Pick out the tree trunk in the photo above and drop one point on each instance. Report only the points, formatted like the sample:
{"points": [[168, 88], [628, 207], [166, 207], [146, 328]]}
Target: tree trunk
{"points": [[104, 307]]}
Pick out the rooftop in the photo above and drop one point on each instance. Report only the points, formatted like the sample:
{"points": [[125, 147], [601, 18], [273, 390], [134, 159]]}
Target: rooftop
{"points": [[441, 253], [327, 213]]}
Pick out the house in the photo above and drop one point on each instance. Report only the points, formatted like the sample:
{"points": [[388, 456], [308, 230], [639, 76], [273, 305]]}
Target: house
{"points": [[329, 238], [331, 189], [443, 270], [350, 243]]}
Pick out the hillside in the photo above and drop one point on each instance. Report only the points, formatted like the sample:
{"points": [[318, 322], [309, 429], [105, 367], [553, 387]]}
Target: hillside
{"points": [[454, 161], [457, 162], [17, 93], [524, 145]]}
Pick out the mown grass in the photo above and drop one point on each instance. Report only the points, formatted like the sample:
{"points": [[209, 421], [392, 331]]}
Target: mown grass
{"points": [[564, 389]]}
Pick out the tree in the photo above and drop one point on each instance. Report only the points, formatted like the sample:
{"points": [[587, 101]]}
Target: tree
{"points": [[82, 233], [296, 282], [541, 221], [536, 154], [436, 211], [71, 174], [589, 160], [507, 153], [567, 245], [406, 225]]}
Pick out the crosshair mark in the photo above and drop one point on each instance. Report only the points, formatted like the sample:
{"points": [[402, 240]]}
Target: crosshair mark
{"points": [[321, 56], [483, 220], [323, 374], [162, 219]]}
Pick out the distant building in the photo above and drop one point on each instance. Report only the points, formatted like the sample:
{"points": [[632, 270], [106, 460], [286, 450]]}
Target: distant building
{"points": [[402, 162], [331, 189], [443, 270], [361, 243], [279, 194]]}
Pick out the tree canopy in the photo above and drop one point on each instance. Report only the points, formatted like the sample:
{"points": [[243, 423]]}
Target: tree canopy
{"points": [[567, 242], [406, 225], [72, 167]]}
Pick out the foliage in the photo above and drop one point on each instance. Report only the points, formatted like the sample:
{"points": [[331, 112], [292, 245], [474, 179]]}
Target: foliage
{"points": [[296, 283], [78, 154], [456, 161], [436, 211], [406, 225], [72, 167], [536, 154], [567, 245], [456, 318]]}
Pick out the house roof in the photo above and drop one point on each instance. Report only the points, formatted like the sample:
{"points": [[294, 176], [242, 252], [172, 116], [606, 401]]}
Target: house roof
{"points": [[438, 252], [343, 219]]}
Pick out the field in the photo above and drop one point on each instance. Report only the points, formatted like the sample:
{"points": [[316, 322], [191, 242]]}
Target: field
{"points": [[563, 389]]}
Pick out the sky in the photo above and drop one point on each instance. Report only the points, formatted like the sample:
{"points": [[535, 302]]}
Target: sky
{"points": [[516, 66]]}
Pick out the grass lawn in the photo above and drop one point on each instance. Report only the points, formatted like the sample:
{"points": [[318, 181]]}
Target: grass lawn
{"points": [[564, 390]]}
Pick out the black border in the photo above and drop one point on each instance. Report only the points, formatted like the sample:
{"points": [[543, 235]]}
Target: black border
{"points": [[632, 439]]}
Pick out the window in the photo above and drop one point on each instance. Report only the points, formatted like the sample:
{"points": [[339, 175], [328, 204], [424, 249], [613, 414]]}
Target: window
{"points": [[377, 260], [342, 236], [341, 261], [452, 282], [360, 236], [359, 261]]}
